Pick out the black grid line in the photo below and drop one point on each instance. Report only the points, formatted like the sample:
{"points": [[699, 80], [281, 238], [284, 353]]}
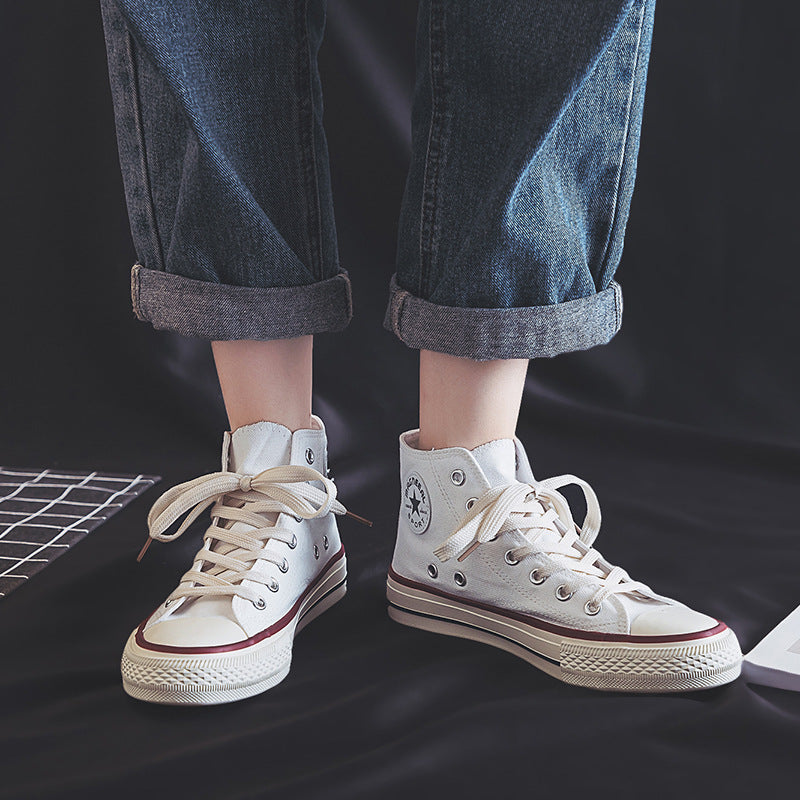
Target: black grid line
{"points": [[73, 503]]}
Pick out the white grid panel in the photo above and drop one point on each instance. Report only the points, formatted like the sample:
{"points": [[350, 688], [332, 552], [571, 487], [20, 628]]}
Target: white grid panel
{"points": [[43, 512]]}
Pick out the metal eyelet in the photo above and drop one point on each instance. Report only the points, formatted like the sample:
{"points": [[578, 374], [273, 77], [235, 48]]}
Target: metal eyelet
{"points": [[293, 543], [457, 476], [169, 602], [309, 456], [325, 542], [561, 595], [460, 578], [298, 519], [471, 502], [273, 586], [432, 571], [316, 551], [260, 604], [592, 608], [284, 566], [537, 579], [509, 559]]}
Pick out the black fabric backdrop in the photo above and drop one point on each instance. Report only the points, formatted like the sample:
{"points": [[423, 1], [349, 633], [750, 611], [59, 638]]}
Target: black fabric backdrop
{"points": [[686, 424]]}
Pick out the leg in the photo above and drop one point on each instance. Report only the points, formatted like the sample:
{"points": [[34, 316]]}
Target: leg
{"points": [[536, 207], [218, 110], [465, 403], [231, 214], [526, 128], [266, 381]]}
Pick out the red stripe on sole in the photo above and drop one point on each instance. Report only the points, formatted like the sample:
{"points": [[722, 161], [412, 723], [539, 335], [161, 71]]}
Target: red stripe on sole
{"points": [[572, 633], [276, 627]]}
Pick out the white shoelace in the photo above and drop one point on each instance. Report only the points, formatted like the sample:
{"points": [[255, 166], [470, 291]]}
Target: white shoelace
{"points": [[282, 489], [538, 510]]}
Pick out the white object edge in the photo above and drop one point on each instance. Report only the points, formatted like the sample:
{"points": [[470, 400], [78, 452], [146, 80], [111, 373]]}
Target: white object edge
{"points": [[772, 662]]}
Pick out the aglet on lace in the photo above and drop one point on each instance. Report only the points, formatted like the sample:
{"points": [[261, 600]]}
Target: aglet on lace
{"points": [[144, 549], [362, 520]]}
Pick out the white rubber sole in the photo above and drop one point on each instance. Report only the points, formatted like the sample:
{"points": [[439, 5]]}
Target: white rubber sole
{"points": [[214, 678], [678, 666]]}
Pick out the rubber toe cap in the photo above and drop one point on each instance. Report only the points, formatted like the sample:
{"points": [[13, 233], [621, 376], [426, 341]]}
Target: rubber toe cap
{"points": [[671, 621], [195, 632]]}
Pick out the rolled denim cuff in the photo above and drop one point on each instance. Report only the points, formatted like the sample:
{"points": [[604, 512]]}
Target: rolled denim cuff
{"points": [[494, 333], [219, 312]]}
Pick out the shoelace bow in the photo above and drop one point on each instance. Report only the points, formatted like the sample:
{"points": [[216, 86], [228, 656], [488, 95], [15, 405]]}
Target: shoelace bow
{"points": [[282, 489], [536, 509]]}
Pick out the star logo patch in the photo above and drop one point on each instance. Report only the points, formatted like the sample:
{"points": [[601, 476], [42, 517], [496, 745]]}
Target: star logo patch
{"points": [[416, 503]]}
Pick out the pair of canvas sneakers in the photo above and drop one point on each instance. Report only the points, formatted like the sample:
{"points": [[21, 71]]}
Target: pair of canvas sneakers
{"points": [[484, 551]]}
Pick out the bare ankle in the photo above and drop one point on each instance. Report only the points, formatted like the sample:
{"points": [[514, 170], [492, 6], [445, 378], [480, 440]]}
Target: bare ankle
{"points": [[266, 381], [466, 403]]}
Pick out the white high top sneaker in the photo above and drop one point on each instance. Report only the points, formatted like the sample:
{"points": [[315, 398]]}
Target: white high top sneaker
{"points": [[486, 552], [271, 561]]}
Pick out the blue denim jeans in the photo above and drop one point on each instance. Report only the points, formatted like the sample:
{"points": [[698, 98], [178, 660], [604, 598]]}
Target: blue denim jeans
{"points": [[525, 121]]}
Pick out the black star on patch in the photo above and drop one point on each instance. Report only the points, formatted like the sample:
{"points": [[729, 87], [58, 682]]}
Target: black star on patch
{"points": [[415, 501]]}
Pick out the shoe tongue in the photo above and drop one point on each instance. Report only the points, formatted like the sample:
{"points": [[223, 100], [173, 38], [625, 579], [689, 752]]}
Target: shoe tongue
{"points": [[498, 460], [259, 446]]}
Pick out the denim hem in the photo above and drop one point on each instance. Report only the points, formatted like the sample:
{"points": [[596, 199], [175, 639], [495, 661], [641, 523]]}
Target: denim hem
{"points": [[219, 312], [494, 333]]}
